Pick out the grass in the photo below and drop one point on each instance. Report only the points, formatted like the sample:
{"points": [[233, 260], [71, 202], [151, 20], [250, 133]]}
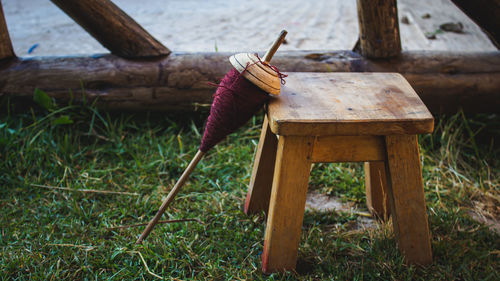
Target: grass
{"points": [[50, 234]]}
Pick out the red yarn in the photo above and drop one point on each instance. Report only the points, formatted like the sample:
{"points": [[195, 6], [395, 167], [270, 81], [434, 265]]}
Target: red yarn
{"points": [[235, 102]]}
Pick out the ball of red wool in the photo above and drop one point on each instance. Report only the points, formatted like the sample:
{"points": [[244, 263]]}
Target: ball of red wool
{"points": [[235, 102]]}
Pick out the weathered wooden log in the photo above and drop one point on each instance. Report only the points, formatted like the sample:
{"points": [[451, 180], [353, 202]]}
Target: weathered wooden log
{"points": [[378, 28], [485, 13], [113, 28], [445, 81], [6, 50]]}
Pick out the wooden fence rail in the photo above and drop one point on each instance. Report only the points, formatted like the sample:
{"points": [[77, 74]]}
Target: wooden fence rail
{"points": [[113, 28], [445, 81]]}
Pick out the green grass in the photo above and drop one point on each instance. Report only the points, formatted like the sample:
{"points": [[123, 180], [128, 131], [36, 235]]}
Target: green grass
{"points": [[51, 234]]}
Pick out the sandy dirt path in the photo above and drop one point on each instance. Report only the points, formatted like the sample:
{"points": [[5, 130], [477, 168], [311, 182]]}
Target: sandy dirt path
{"points": [[237, 25]]}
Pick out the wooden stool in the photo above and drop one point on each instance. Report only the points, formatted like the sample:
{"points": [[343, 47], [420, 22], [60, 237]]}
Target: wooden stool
{"points": [[341, 117]]}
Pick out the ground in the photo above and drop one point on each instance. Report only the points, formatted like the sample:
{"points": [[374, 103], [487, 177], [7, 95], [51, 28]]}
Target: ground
{"points": [[49, 234]]}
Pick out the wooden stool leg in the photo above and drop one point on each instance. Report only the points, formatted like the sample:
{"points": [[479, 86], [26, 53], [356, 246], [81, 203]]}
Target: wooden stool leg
{"points": [[288, 200], [406, 193], [259, 190], [377, 197]]}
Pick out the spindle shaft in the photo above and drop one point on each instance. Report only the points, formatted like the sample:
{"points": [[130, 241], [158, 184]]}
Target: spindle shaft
{"points": [[270, 53], [223, 119], [182, 180]]}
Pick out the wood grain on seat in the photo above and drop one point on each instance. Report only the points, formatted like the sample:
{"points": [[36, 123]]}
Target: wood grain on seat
{"points": [[348, 104]]}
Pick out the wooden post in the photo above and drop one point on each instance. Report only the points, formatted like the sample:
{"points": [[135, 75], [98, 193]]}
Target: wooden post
{"points": [[378, 28], [378, 38], [6, 50], [113, 28]]}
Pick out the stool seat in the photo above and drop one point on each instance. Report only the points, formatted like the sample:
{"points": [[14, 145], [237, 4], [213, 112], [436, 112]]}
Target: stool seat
{"points": [[320, 104]]}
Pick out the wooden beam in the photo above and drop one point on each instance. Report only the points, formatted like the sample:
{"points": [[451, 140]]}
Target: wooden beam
{"points": [[6, 50], [485, 13], [378, 28], [444, 81], [113, 28]]}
